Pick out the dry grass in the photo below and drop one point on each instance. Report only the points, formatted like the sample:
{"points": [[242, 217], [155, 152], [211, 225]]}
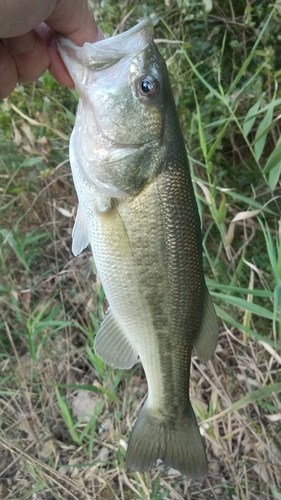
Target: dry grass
{"points": [[38, 455], [65, 417]]}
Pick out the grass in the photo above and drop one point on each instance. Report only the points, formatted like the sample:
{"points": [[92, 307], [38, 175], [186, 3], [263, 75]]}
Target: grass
{"points": [[65, 415]]}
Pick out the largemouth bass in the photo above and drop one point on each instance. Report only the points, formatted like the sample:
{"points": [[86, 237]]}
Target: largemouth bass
{"points": [[138, 211]]}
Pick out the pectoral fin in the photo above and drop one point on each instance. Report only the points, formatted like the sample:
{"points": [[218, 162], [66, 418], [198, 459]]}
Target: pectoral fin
{"points": [[206, 341], [113, 346], [80, 238]]}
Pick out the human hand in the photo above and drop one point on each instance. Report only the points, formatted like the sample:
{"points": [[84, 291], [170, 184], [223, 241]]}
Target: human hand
{"points": [[27, 44]]}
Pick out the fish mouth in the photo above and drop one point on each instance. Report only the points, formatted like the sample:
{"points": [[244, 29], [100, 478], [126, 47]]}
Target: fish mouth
{"points": [[104, 53]]}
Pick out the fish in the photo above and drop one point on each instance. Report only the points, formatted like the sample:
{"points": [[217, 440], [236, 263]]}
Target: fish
{"points": [[138, 211]]}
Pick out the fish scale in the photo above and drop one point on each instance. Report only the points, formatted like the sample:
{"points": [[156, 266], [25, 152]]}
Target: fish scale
{"points": [[183, 316], [138, 211]]}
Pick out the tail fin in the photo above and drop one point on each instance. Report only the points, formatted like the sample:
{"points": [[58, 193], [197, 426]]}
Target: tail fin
{"points": [[175, 443]]}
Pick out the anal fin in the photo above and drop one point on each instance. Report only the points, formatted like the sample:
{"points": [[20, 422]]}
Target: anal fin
{"points": [[206, 341], [113, 346]]}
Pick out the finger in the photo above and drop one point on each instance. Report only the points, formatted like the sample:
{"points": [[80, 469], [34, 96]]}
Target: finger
{"points": [[8, 72], [18, 18], [30, 55], [69, 17], [75, 21], [57, 67]]}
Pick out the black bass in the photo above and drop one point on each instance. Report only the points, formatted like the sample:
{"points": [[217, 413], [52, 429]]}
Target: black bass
{"points": [[137, 209]]}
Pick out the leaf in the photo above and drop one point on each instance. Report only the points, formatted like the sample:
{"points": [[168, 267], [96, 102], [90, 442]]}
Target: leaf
{"points": [[231, 321], [274, 176], [271, 351], [206, 192], [250, 117], [30, 162], [238, 217], [64, 212], [260, 311], [242, 71], [246, 215], [276, 493], [202, 137], [277, 309], [16, 245], [272, 251], [38, 124], [212, 90], [261, 134], [251, 397], [67, 417], [248, 201], [238, 289], [92, 388], [221, 213], [274, 158], [248, 316]]}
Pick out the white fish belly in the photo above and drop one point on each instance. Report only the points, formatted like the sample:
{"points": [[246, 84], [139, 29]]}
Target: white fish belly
{"points": [[130, 279]]}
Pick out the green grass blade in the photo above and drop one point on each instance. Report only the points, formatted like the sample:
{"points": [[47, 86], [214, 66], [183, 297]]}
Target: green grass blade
{"points": [[249, 58], [67, 417], [251, 397], [92, 388], [251, 116], [243, 304], [277, 311], [272, 250], [274, 176], [274, 158], [275, 492], [262, 132], [240, 290], [232, 321]]}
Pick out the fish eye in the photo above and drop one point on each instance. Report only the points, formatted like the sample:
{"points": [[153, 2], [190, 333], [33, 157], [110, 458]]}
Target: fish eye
{"points": [[148, 86]]}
